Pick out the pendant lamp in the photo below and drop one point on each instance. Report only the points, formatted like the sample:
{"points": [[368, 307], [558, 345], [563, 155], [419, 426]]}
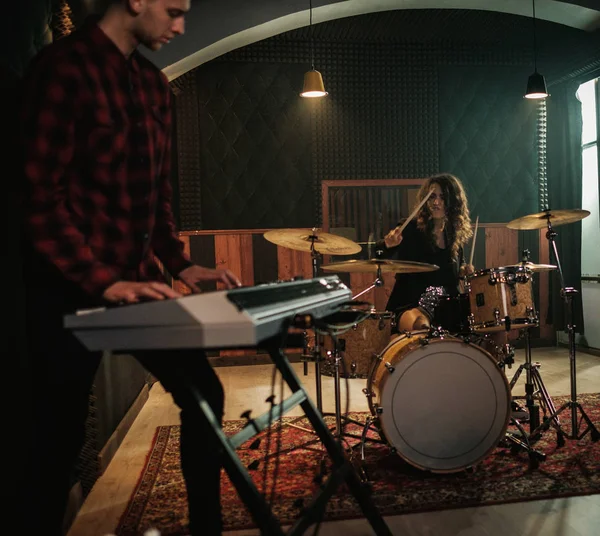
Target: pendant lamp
{"points": [[313, 81], [536, 84]]}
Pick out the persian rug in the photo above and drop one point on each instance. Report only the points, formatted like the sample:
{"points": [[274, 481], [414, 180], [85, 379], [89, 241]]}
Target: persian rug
{"points": [[292, 478]]}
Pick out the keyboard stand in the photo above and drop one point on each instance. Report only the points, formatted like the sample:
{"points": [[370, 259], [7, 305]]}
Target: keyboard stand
{"points": [[342, 471]]}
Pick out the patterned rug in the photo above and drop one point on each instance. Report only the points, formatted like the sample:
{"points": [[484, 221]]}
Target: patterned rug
{"points": [[159, 500]]}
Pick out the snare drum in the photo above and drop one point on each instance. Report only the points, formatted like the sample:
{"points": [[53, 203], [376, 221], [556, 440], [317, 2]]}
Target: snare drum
{"points": [[359, 345], [501, 299], [441, 403]]}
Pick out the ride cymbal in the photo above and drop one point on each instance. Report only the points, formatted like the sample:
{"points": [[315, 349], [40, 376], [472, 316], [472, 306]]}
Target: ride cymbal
{"points": [[303, 239], [540, 220], [386, 265]]}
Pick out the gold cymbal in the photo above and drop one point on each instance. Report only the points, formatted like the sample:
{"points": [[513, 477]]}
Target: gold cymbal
{"points": [[534, 267], [302, 240], [540, 220], [386, 265]]}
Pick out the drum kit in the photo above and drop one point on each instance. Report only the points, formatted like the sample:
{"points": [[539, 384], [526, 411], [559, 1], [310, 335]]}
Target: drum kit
{"points": [[440, 397]]}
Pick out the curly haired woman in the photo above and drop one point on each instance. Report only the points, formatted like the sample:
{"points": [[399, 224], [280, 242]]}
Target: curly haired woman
{"points": [[436, 236]]}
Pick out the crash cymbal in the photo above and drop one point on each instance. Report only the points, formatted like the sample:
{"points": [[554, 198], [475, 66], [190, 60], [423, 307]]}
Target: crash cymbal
{"points": [[534, 267], [386, 265], [540, 220], [302, 240]]}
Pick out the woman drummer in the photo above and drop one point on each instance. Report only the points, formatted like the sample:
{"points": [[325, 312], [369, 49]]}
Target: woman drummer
{"points": [[436, 235]]}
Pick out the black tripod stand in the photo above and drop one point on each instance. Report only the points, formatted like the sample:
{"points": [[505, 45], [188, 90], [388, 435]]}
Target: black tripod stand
{"points": [[534, 387], [314, 356], [567, 294]]}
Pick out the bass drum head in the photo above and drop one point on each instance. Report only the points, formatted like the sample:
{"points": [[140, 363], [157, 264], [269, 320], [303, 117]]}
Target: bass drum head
{"points": [[446, 404]]}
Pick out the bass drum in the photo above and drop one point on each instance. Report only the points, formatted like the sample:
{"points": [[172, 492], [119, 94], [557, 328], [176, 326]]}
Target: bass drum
{"points": [[441, 403]]}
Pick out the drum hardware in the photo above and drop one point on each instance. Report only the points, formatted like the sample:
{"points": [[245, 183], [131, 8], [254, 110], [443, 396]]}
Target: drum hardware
{"points": [[358, 344], [507, 352], [342, 420], [539, 221], [548, 218], [313, 240], [505, 355], [501, 299], [522, 442], [380, 265], [534, 388], [433, 434], [317, 243]]}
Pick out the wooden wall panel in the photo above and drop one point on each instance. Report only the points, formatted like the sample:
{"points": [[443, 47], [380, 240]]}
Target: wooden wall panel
{"points": [[292, 263], [234, 252], [178, 285], [502, 247]]}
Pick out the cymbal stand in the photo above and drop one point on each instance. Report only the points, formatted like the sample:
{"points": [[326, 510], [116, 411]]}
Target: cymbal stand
{"points": [[519, 440], [315, 355], [534, 386], [568, 294], [342, 420], [379, 282]]}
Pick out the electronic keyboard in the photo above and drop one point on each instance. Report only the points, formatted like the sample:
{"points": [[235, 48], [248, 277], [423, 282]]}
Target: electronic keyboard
{"points": [[237, 318]]}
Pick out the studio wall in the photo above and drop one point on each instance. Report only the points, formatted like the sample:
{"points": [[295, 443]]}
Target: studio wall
{"points": [[395, 110]]}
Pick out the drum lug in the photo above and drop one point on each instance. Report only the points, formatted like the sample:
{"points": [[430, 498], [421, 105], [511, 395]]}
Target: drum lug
{"points": [[368, 393], [423, 341], [471, 320], [493, 278], [531, 315], [497, 316], [389, 367], [438, 333]]}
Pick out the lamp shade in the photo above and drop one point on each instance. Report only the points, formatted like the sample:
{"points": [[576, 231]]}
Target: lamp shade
{"points": [[313, 85], [536, 87]]}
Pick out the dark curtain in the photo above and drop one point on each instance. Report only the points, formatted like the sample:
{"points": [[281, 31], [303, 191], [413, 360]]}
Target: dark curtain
{"points": [[564, 191]]}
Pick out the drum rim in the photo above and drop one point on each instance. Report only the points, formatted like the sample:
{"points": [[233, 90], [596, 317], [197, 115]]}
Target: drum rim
{"points": [[500, 270], [437, 340], [377, 360], [517, 323]]}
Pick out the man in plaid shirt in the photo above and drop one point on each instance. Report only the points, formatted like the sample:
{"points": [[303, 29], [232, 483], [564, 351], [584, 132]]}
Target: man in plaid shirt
{"points": [[96, 136]]}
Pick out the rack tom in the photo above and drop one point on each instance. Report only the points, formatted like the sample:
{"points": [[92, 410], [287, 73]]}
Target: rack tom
{"points": [[501, 299]]}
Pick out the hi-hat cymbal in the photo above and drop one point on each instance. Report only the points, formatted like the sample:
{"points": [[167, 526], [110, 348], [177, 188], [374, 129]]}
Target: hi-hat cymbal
{"points": [[386, 265], [302, 240], [540, 220], [534, 267]]}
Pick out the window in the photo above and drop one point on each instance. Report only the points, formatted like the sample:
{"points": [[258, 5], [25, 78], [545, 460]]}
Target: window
{"points": [[590, 230]]}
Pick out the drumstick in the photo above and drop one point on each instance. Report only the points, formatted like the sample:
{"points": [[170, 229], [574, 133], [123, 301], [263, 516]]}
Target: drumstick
{"points": [[414, 212], [474, 240]]}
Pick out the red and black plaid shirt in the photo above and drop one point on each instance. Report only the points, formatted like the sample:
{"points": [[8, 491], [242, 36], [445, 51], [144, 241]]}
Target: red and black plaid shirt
{"points": [[97, 141]]}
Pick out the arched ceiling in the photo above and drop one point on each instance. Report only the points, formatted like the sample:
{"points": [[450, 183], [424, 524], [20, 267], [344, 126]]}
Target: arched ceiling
{"points": [[215, 27]]}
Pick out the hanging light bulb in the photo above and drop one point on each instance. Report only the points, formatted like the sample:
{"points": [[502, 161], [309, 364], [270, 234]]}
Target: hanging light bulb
{"points": [[536, 84], [313, 81]]}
